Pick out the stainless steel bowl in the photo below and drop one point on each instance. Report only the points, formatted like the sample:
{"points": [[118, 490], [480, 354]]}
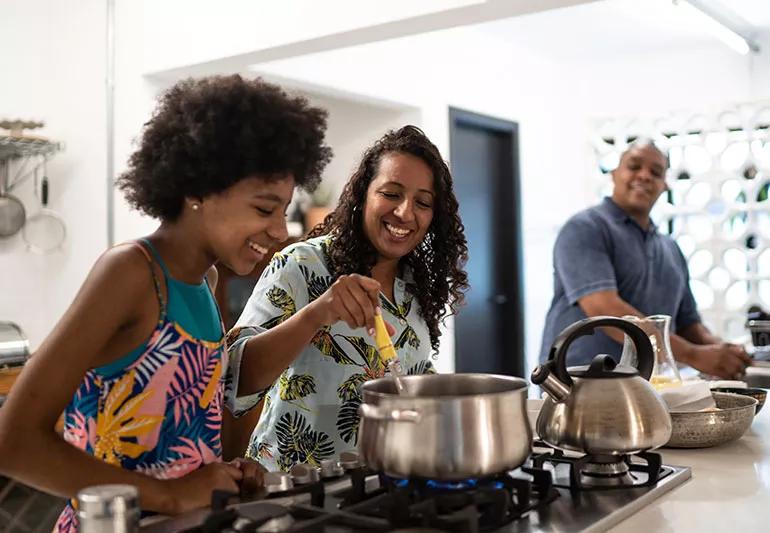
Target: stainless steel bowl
{"points": [[702, 429]]}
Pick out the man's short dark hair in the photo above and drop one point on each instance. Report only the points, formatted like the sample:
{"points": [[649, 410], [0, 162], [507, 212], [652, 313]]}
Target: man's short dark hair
{"points": [[643, 142]]}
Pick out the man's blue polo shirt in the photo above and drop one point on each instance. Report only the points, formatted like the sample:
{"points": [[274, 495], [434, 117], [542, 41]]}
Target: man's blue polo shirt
{"points": [[601, 249]]}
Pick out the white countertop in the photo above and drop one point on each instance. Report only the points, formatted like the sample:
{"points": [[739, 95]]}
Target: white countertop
{"points": [[729, 489]]}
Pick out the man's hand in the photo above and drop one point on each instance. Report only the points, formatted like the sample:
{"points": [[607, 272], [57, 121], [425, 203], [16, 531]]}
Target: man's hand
{"points": [[725, 360]]}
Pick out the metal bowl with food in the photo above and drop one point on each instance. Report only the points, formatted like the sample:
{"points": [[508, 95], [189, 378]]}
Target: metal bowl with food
{"points": [[760, 395], [702, 429]]}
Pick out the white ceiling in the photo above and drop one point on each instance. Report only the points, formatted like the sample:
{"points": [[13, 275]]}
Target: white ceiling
{"points": [[612, 27]]}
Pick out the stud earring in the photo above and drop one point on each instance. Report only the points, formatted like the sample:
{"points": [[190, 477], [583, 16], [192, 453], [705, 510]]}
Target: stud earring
{"points": [[195, 207]]}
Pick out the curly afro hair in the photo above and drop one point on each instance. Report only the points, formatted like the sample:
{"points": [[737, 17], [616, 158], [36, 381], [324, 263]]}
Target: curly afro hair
{"points": [[207, 134], [437, 263]]}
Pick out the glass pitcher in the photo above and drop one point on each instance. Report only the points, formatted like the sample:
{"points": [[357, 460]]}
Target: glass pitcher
{"points": [[665, 373]]}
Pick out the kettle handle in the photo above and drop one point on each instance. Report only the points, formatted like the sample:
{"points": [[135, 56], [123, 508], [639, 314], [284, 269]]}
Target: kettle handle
{"points": [[557, 359]]}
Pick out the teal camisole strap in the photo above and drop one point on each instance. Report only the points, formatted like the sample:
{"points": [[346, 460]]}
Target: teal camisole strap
{"points": [[118, 365], [191, 306]]}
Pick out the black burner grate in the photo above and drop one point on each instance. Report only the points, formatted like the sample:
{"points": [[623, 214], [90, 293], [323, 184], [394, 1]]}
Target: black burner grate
{"points": [[473, 505], [645, 469]]}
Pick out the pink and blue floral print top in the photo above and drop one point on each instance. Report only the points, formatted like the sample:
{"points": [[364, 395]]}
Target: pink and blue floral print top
{"points": [[158, 412]]}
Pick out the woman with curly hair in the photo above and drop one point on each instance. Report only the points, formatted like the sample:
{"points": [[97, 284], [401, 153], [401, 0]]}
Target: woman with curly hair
{"points": [[396, 234], [136, 361]]}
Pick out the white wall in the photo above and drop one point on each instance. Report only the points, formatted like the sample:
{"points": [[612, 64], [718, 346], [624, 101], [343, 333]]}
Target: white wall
{"points": [[705, 78], [200, 38], [184, 32], [134, 103], [52, 60]]}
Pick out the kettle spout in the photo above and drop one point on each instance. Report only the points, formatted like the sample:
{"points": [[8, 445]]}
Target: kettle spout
{"points": [[556, 389]]}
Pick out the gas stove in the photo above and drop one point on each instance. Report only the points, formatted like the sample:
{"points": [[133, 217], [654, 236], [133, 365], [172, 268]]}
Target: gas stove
{"points": [[553, 491]]}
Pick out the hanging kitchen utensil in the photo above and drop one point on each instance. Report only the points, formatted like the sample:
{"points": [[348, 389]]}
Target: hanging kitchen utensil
{"points": [[12, 213], [45, 231]]}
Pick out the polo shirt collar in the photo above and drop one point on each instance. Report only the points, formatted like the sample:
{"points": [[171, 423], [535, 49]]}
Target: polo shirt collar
{"points": [[615, 211]]}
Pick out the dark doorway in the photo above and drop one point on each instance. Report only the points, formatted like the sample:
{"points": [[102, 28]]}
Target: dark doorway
{"points": [[489, 331]]}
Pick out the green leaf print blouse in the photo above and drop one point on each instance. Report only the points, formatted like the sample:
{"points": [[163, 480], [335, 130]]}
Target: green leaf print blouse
{"points": [[311, 411]]}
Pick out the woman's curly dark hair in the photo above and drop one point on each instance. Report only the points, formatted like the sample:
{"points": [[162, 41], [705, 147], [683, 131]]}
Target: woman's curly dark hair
{"points": [[207, 134], [437, 263]]}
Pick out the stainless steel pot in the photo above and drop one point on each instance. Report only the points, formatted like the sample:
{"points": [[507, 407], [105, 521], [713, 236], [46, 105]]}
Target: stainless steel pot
{"points": [[446, 427]]}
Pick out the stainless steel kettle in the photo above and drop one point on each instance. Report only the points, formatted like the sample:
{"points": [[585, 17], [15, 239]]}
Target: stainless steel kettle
{"points": [[601, 408]]}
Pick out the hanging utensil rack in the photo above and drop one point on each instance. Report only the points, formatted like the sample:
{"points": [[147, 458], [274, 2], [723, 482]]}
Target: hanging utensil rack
{"points": [[22, 149]]}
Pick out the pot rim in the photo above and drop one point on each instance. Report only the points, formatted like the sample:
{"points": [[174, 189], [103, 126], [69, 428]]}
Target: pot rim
{"points": [[512, 379]]}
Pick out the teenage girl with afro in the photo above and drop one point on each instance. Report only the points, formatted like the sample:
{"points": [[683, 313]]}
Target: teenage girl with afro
{"points": [[137, 363]]}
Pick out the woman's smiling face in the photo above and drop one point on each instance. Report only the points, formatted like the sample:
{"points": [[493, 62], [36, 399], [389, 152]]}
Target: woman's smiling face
{"points": [[399, 205]]}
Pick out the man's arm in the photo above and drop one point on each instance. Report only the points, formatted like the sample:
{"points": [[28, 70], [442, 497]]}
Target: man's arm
{"points": [[711, 356], [697, 333], [609, 303]]}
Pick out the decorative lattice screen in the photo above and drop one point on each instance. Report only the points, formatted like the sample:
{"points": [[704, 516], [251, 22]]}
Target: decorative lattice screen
{"points": [[717, 207]]}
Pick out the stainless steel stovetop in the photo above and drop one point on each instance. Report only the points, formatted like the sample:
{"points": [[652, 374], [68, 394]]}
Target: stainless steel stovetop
{"points": [[596, 510], [589, 510]]}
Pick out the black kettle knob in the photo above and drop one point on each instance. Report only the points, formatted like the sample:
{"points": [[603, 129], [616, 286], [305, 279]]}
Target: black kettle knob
{"points": [[557, 358]]}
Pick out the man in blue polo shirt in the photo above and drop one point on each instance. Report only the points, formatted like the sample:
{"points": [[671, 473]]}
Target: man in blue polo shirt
{"points": [[611, 260]]}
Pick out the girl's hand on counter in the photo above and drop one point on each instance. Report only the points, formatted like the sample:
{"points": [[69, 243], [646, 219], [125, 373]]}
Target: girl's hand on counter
{"points": [[253, 480], [352, 298], [194, 490]]}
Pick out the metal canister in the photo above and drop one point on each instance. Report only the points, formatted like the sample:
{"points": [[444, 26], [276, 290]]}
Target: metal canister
{"points": [[14, 345], [108, 509]]}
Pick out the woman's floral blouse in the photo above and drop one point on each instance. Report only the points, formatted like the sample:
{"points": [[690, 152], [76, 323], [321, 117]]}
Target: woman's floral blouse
{"points": [[311, 411]]}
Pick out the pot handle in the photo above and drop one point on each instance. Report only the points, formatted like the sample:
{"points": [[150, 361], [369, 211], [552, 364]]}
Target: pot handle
{"points": [[377, 412], [558, 355]]}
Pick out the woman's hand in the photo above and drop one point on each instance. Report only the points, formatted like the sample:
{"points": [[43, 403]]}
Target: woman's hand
{"points": [[194, 490], [353, 299]]}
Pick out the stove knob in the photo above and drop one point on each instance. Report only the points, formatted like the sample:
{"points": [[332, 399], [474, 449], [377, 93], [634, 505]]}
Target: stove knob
{"points": [[278, 482], [349, 460], [241, 524], [330, 469], [276, 525], [303, 474]]}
